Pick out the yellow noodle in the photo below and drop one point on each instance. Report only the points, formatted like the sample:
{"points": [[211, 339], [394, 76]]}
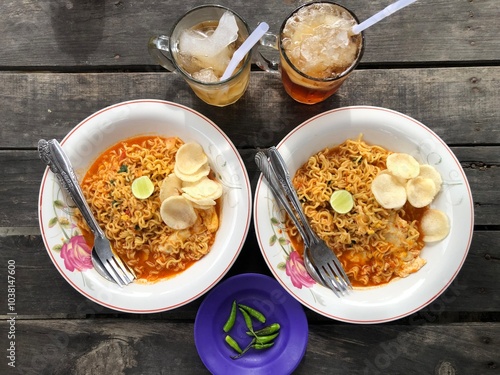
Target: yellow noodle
{"points": [[134, 226], [373, 244]]}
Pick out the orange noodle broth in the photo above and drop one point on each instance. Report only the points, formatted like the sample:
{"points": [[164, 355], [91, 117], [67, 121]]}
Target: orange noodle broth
{"points": [[375, 245], [134, 226]]}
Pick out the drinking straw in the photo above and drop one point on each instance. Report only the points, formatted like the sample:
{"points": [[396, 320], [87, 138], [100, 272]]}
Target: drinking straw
{"points": [[381, 15], [241, 52]]}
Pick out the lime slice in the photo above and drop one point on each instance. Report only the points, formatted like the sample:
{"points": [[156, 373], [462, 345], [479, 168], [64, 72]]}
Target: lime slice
{"points": [[142, 187], [342, 201]]}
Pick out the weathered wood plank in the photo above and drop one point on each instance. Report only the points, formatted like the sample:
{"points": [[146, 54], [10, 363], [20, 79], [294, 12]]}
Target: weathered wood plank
{"points": [[22, 171], [459, 104], [88, 33], [98, 346], [475, 290]]}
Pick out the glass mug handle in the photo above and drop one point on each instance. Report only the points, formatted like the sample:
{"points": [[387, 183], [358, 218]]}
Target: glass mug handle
{"points": [[158, 47], [267, 58]]}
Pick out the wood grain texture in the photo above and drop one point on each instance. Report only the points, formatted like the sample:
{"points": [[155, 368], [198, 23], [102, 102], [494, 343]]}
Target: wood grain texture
{"points": [[132, 346], [436, 61], [97, 33], [459, 104], [475, 289], [22, 172]]}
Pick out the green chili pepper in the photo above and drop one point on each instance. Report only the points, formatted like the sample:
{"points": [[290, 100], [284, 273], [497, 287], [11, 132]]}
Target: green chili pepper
{"points": [[254, 313], [269, 330], [262, 346], [266, 339], [232, 318], [248, 320], [262, 338], [233, 344]]}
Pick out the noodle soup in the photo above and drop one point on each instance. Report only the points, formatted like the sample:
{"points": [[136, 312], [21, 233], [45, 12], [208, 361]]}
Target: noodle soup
{"points": [[134, 226], [375, 245]]}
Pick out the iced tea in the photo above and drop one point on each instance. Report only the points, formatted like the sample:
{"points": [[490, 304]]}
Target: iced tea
{"points": [[318, 50], [200, 46], [206, 68]]}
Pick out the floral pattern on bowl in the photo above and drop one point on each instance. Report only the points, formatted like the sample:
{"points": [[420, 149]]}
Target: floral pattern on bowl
{"points": [[65, 242], [397, 132], [72, 248], [292, 263]]}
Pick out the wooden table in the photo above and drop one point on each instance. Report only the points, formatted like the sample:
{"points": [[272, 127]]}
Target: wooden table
{"points": [[436, 61]]}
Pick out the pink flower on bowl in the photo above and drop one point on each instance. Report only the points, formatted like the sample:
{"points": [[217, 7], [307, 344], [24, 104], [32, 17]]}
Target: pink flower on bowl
{"points": [[76, 254], [296, 270]]}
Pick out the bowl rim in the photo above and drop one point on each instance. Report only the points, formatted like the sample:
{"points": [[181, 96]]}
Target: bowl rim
{"points": [[314, 128], [111, 292]]}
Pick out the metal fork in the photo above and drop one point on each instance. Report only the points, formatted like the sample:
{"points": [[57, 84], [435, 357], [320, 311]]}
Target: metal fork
{"points": [[54, 156], [324, 259], [265, 167]]}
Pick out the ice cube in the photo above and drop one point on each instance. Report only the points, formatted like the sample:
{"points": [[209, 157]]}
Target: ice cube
{"points": [[211, 51], [191, 42], [205, 75], [225, 34]]}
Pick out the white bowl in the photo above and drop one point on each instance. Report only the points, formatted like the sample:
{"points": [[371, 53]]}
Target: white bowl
{"points": [[104, 129], [395, 132]]}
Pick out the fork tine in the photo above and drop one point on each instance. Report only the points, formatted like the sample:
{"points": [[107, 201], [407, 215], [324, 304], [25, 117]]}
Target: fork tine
{"points": [[344, 285], [127, 272], [329, 280], [113, 273], [343, 276], [322, 257], [120, 271], [333, 275]]}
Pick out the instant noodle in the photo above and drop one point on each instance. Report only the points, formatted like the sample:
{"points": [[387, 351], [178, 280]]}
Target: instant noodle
{"points": [[134, 226], [374, 244]]}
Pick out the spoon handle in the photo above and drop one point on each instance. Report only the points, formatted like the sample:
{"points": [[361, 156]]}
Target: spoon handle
{"points": [[283, 176], [54, 156], [267, 171]]}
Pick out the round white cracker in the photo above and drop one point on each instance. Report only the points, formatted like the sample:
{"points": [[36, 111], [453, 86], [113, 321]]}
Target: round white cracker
{"points": [[403, 165], [203, 188], [435, 225], [170, 186], [177, 212], [388, 192], [428, 171], [420, 191], [199, 202], [190, 158], [203, 171]]}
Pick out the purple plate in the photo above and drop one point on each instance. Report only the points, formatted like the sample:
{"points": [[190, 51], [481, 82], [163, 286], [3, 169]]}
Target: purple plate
{"points": [[267, 296]]}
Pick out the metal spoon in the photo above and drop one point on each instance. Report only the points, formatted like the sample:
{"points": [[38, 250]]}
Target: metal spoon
{"points": [[53, 155], [311, 269], [266, 169], [99, 267]]}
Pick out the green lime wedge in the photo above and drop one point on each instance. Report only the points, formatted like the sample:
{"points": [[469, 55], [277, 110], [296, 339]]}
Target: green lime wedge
{"points": [[342, 201], [142, 187]]}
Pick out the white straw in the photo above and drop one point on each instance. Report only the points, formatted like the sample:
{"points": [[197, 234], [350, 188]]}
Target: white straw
{"points": [[241, 52], [381, 15]]}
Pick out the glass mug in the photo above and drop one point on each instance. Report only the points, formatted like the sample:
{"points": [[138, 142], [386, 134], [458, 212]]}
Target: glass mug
{"points": [[313, 72], [165, 50]]}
